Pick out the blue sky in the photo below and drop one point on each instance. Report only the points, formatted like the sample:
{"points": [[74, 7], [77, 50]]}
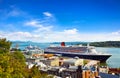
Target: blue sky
{"points": [[60, 20]]}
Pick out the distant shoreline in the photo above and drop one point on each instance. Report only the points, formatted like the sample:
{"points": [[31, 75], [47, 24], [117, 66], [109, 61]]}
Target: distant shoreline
{"points": [[108, 44], [108, 47]]}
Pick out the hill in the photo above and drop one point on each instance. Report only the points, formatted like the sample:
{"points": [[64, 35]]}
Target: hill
{"points": [[106, 44]]}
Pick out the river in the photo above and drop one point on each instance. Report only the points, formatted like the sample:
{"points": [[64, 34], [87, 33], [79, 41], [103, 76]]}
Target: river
{"points": [[113, 61]]}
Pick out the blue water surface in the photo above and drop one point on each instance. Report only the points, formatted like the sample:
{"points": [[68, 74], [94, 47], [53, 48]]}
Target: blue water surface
{"points": [[114, 60]]}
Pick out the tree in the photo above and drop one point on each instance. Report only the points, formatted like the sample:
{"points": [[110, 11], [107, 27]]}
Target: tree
{"points": [[4, 45], [11, 67], [34, 72], [18, 56], [12, 64]]}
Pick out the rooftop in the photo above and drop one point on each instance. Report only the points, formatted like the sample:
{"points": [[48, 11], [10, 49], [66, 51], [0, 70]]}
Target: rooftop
{"points": [[104, 75]]}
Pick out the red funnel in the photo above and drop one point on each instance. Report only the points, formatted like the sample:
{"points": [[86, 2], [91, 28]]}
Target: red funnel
{"points": [[63, 44]]}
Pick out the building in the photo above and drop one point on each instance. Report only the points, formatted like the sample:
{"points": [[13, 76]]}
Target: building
{"points": [[89, 74], [104, 69], [105, 75], [73, 62], [32, 60], [71, 72], [51, 62]]}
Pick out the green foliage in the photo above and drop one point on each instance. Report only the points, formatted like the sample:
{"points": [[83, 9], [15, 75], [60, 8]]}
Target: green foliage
{"points": [[12, 65], [4, 45], [106, 44], [19, 56], [34, 72], [103, 64], [85, 62]]}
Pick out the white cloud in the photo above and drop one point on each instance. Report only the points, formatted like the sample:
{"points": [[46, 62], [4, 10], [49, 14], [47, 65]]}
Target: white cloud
{"points": [[53, 36], [33, 23], [77, 36], [14, 13], [116, 33], [44, 31], [22, 36], [48, 14], [38, 25], [42, 26], [71, 31]]}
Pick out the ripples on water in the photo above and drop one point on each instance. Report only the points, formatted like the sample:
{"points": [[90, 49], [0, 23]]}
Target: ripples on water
{"points": [[114, 60]]}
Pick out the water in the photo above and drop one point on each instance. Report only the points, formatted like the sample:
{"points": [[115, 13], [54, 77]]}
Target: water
{"points": [[113, 61]]}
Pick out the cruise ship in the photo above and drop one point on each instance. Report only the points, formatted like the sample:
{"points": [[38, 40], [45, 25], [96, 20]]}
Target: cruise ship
{"points": [[31, 50], [85, 52]]}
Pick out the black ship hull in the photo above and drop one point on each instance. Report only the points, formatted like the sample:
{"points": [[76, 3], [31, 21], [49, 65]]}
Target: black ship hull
{"points": [[101, 58]]}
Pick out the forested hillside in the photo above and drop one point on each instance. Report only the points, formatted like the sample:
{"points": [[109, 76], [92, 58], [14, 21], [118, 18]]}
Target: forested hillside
{"points": [[106, 44]]}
